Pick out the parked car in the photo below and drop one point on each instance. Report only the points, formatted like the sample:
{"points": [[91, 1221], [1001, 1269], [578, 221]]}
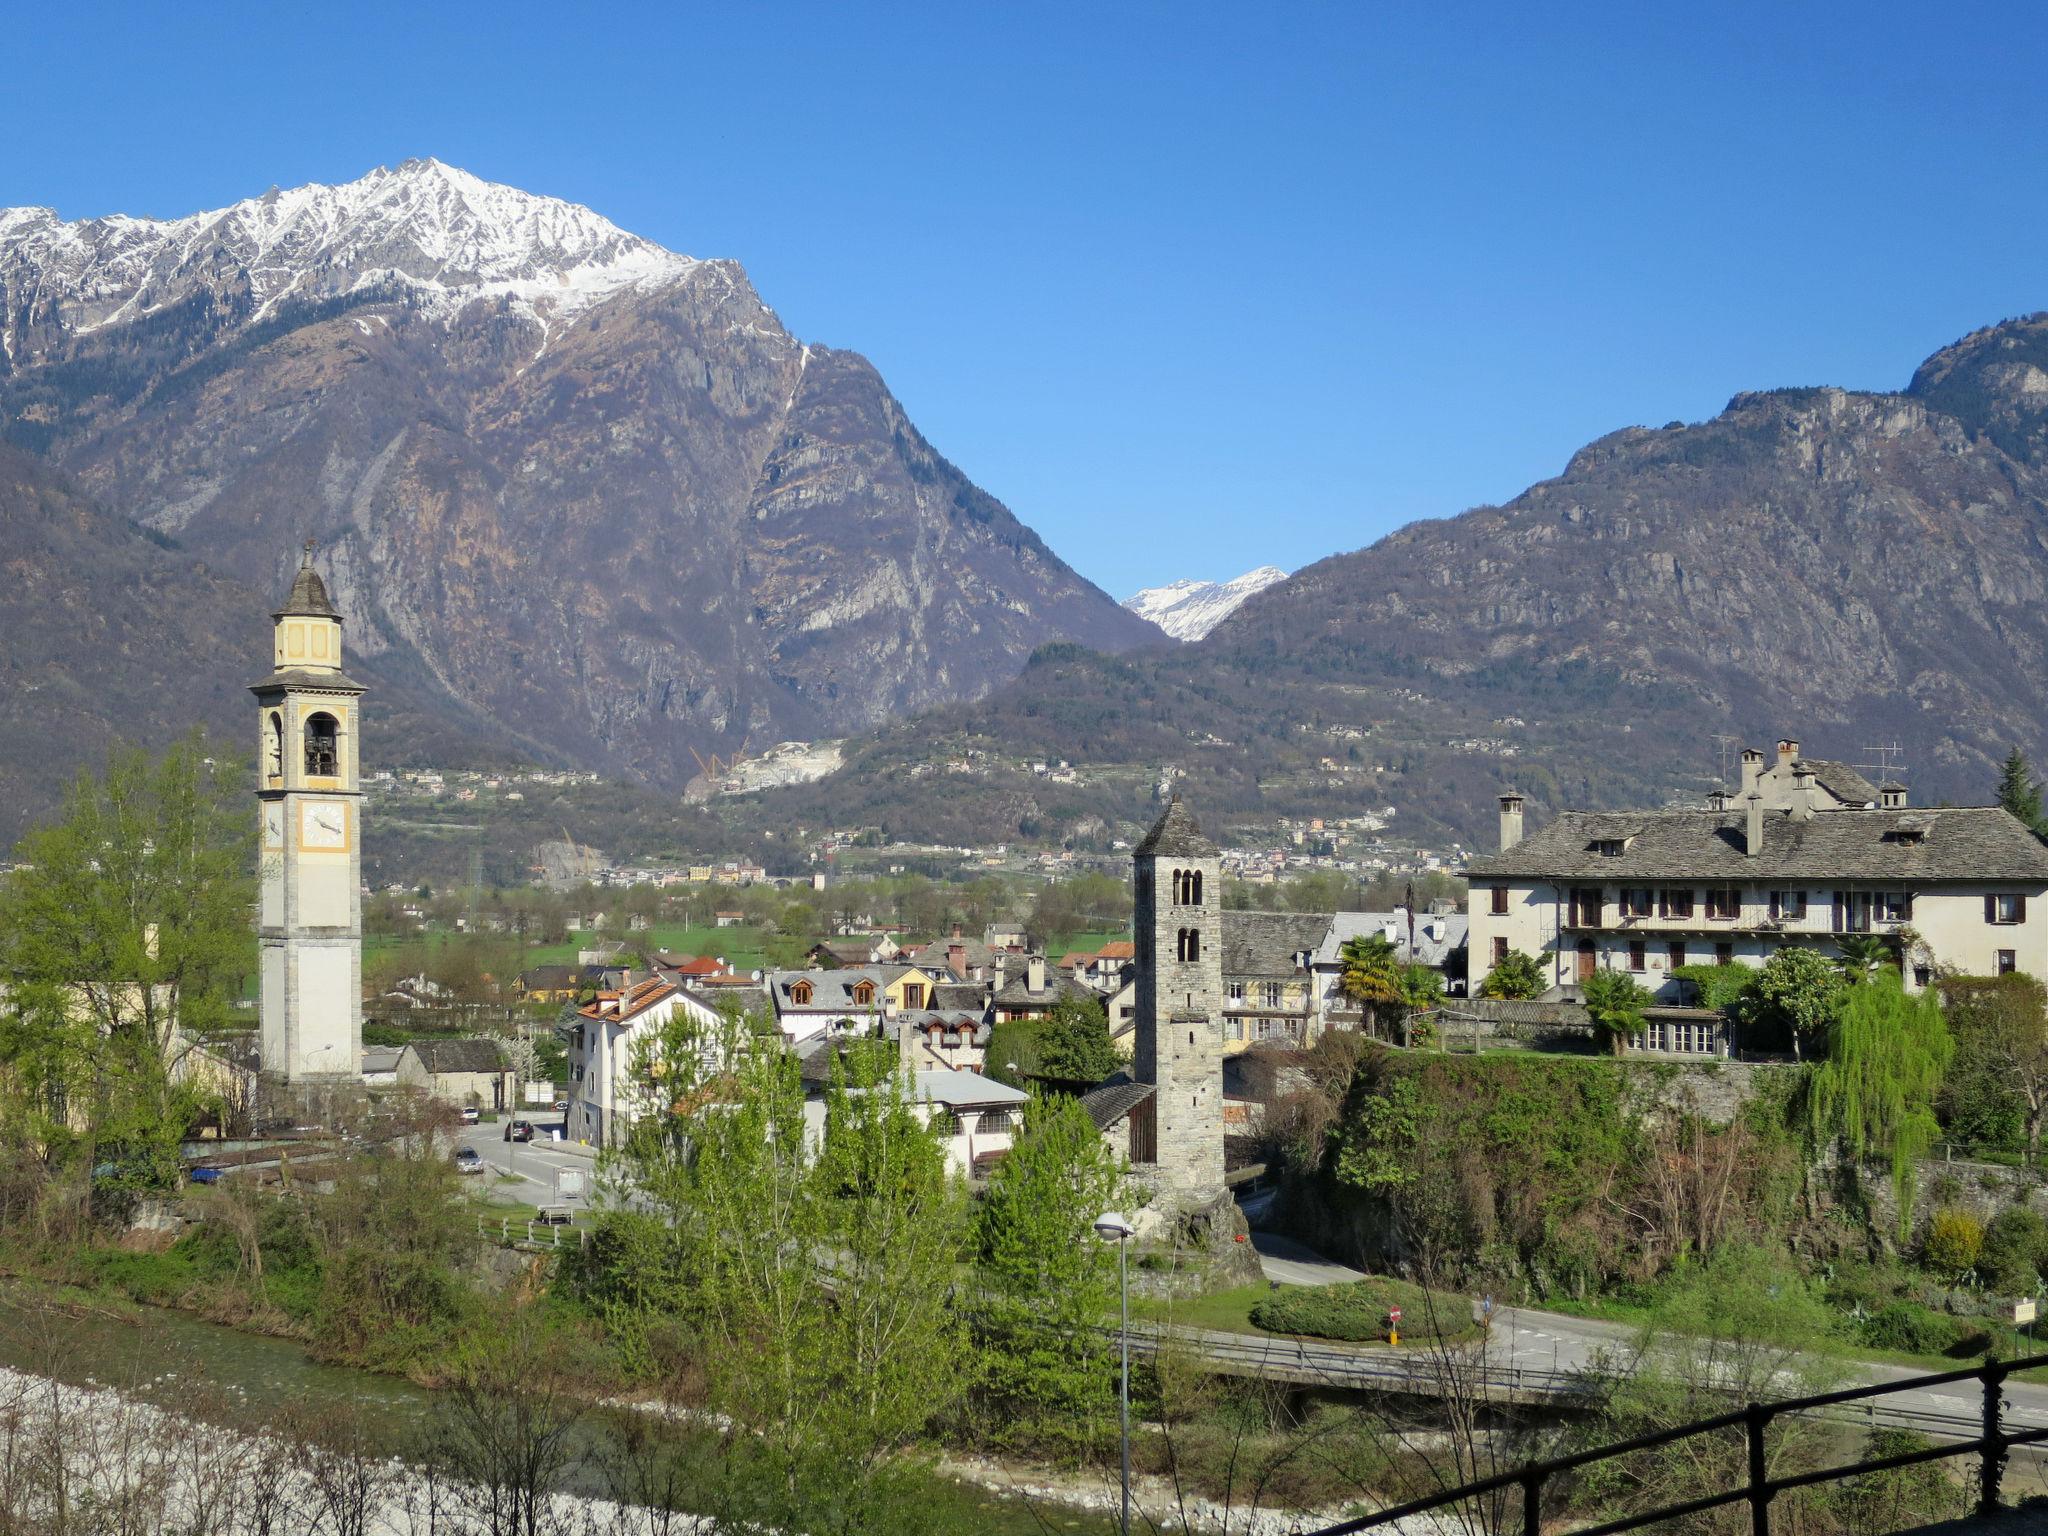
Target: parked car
{"points": [[207, 1175], [469, 1114], [560, 1106], [519, 1130], [554, 1216], [468, 1160]]}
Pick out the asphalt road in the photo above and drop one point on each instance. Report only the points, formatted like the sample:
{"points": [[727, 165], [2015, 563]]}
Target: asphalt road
{"points": [[1538, 1351], [534, 1161]]}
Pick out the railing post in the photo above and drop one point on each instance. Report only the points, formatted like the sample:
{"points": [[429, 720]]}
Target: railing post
{"points": [[1532, 1500], [1759, 1418], [1994, 1453]]}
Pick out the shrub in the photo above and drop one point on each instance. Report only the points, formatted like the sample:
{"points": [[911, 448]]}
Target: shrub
{"points": [[1516, 975], [1910, 1329], [1953, 1244], [1357, 1312]]}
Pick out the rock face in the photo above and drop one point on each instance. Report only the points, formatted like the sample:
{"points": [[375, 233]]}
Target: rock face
{"points": [[1850, 568], [578, 493], [1188, 610]]}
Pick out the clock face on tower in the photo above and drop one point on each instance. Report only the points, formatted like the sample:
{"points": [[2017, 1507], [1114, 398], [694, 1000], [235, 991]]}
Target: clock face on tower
{"points": [[323, 824]]}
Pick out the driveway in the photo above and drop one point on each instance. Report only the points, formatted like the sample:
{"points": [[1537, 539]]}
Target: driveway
{"points": [[535, 1161]]}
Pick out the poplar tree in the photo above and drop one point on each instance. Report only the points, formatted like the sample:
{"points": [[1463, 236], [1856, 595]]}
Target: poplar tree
{"points": [[2020, 792]]}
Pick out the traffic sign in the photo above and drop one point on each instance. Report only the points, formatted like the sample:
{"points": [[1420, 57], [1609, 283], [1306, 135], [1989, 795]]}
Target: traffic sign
{"points": [[1394, 1314]]}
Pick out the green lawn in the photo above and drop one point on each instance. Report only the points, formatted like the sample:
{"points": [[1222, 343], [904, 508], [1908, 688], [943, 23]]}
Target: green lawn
{"points": [[1087, 943], [745, 947], [1230, 1311]]}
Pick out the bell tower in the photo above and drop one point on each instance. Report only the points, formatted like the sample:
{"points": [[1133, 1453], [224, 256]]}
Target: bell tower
{"points": [[309, 798], [1179, 1043]]}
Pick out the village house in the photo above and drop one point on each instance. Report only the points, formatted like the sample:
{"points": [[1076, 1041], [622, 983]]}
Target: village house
{"points": [[1436, 938], [1268, 989], [608, 1045], [549, 984], [471, 1073], [977, 1118], [1031, 992], [1950, 888], [856, 1000]]}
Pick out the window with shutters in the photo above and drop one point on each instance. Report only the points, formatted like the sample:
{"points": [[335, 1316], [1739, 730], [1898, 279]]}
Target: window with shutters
{"points": [[1586, 905], [1724, 903], [1676, 904], [2008, 961], [1635, 902], [1500, 949], [2005, 909], [1892, 907], [1500, 901], [1788, 906]]}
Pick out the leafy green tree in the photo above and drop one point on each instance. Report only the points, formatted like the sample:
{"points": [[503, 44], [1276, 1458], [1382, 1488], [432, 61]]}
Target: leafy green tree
{"points": [[818, 1272], [1801, 993], [1074, 1045], [2014, 1243], [1873, 1095], [1615, 1003], [1046, 1281], [1954, 1242], [123, 939], [2019, 791], [1726, 986], [1514, 975], [2000, 1025], [1016, 1051]]}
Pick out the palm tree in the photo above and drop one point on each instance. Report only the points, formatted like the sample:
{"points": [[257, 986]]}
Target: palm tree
{"points": [[1372, 974], [1860, 956]]}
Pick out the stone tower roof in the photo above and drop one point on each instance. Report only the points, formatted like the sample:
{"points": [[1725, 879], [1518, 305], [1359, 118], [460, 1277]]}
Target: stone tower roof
{"points": [[309, 592], [1176, 835]]}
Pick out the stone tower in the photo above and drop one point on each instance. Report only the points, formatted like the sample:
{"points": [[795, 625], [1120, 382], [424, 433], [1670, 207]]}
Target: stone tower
{"points": [[1179, 1043], [310, 910]]}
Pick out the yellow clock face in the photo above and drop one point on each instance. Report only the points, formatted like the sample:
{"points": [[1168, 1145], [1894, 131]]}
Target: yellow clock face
{"points": [[323, 824]]}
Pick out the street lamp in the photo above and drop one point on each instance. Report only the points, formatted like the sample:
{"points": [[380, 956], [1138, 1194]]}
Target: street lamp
{"points": [[1111, 1226]]}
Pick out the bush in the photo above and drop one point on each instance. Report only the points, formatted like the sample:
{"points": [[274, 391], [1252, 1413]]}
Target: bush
{"points": [[2013, 1245], [1357, 1312], [1953, 1244], [1909, 1329]]}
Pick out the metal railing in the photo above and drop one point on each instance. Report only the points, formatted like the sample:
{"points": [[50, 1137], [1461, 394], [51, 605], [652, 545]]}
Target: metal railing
{"points": [[514, 1234], [1991, 1446]]}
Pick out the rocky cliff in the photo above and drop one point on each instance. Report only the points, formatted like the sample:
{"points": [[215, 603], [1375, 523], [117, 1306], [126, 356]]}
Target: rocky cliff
{"points": [[579, 495]]}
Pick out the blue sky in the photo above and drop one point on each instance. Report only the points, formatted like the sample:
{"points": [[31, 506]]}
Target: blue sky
{"points": [[1191, 288]]}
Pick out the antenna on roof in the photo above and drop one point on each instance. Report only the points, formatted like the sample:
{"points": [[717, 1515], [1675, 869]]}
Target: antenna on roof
{"points": [[1727, 745], [1888, 764]]}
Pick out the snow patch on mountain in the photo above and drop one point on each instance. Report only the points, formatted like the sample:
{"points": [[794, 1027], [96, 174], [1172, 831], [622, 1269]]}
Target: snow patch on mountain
{"points": [[1188, 610], [440, 235]]}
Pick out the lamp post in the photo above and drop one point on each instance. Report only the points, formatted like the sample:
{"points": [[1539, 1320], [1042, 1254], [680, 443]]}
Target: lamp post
{"points": [[1107, 1226]]}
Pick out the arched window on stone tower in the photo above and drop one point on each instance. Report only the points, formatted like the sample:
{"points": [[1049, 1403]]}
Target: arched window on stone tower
{"points": [[1194, 887], [1190, 947], [323, 746]]}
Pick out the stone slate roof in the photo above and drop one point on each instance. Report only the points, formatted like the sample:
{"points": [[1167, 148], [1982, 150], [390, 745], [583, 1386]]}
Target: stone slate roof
{"points": [[308, 594], [1016, 989], [1839, 780], [439, 1056], [1454, 927], [831, 991], [1265, 943], [1117, 1097], [960, 996], [1176, 835], [1900, 847]]}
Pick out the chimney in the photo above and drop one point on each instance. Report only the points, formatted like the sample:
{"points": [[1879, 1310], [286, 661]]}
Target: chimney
{"points": [[956, 960], [1892, 795], [1752, 768], [1034, 973], [1754, 836], [1788, 751], [956, 931], [1802, 793], [1717, 800], [1510, 820]]}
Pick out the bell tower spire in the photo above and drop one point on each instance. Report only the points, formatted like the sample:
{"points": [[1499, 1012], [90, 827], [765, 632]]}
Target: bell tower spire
{"points": [[309, 796]]}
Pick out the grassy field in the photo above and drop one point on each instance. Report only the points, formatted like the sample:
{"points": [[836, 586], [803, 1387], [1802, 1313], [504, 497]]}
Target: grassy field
{"points": [[745, 947], [1087, 943]]}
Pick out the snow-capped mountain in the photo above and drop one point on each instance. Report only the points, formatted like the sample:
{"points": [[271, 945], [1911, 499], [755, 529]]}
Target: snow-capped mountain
{"points": [[1188, 610], [438, 235]]}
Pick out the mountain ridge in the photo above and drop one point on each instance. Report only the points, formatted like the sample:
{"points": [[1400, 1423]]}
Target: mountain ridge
{"points": [[1189, 609]]}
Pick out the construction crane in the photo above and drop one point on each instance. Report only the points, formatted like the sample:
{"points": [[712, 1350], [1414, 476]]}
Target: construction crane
{"points": [[715, 766]]}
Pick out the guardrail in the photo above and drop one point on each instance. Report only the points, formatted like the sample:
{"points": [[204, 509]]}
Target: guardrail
{"points": [[515, 1234], [1991, 1445]]}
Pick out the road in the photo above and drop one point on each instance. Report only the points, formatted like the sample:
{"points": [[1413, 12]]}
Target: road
{"points": [[1542, 1355], [534, 1161]]}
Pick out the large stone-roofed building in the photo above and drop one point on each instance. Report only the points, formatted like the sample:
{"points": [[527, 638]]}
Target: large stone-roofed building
{"points": [[1647, 891], [1268, 987]]}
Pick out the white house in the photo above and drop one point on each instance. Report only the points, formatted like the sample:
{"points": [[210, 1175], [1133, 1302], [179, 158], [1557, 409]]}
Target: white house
{"points": [[605, 1041], [1435, 939], [978, 1117], [1956, 888]]}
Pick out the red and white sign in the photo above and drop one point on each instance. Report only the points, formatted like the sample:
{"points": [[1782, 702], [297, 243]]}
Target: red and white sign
{"points": [[1394, 1314]]}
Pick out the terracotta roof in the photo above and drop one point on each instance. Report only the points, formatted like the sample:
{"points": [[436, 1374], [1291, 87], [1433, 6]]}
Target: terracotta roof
{"points": [[1118, 949], [1176, 834], [1906, 847]]}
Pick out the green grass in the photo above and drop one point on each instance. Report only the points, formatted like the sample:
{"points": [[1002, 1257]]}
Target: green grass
{"points": [[1088, 943], [1231, 1311], [745, 947]]}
